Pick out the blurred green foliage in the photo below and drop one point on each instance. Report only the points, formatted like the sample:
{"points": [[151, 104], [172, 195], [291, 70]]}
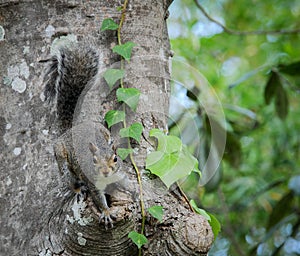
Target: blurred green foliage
{"points": [[255, 191]]}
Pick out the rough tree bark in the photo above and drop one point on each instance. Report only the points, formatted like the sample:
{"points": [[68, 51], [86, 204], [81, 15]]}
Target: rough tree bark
{"points": [[39, 213]]}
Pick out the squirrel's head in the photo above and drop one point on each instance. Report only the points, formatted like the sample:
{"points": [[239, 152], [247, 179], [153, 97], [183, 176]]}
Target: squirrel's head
{"points": [[105, 164]]}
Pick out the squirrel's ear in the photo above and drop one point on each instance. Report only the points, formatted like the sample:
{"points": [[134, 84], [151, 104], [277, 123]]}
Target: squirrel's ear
{"points": [[93, 148]]}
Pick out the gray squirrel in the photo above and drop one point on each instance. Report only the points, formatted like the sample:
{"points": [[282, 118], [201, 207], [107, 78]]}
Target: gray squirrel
{"points": [[72, 70]]}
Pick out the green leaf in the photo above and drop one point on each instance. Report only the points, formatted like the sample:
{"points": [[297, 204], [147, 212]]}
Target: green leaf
{"points": [[157, 212], [213, 221], [281, 102], [274, 88], [292, 69], [133, 131], [113, 117], [200, 211], [124, 152], [283, 208], [215, 225], [111, 76], [172, 161], [124, 50], [233, 150], [271, 87], [167, 144], [109, 24], [138, 239], [130, 96]]}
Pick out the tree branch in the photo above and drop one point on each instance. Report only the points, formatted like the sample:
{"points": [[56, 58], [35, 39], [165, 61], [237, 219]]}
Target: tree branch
{"points": [[253, 32]]}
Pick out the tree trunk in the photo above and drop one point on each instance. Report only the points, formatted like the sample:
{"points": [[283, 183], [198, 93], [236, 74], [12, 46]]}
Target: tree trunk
{"points": [[39, 213]]}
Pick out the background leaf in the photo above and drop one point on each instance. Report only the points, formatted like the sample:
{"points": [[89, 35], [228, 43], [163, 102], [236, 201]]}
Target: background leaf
{"points": [[292, 69], [268, 148], [281, 102], [233, 150], [282, 208], [271, 87]]}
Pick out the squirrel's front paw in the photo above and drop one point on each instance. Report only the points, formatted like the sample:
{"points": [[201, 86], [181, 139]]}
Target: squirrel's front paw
{"points": [[106, 217]]}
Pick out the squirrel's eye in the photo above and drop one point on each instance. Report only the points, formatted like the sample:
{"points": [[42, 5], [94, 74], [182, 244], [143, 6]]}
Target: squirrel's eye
{"points": [[115, 159]]}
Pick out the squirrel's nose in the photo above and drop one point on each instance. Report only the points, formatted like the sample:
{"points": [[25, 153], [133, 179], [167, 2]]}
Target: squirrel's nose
{"points": [[106, 172]]}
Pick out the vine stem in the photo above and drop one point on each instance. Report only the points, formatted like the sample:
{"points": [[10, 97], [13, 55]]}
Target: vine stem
{"points": [[125, 125], [124, 7], [122, 21]]}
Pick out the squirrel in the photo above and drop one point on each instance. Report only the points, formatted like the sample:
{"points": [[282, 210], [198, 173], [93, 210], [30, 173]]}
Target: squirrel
{"points": [[83, 150]]}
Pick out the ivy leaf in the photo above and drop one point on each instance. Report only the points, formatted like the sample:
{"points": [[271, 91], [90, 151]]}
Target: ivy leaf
{"points": [[157, 212], [138, 239], [133, 131], [172, 160], [167, 144], [213, 221], [200, 211], [109, 24], [130, 96], [113, 117], [112, 75], [271, 87], [124, 50], [124, 152], [215, 225]]}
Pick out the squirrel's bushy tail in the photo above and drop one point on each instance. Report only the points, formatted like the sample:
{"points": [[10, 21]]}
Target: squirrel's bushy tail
{"points": [[70, 71]]}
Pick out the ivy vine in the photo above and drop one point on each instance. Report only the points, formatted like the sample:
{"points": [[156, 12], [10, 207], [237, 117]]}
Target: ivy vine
{"points": [[171, 161]]}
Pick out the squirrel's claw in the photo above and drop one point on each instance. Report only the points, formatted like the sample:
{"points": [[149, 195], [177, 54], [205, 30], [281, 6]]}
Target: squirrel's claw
{"points": [[105, 215]]}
